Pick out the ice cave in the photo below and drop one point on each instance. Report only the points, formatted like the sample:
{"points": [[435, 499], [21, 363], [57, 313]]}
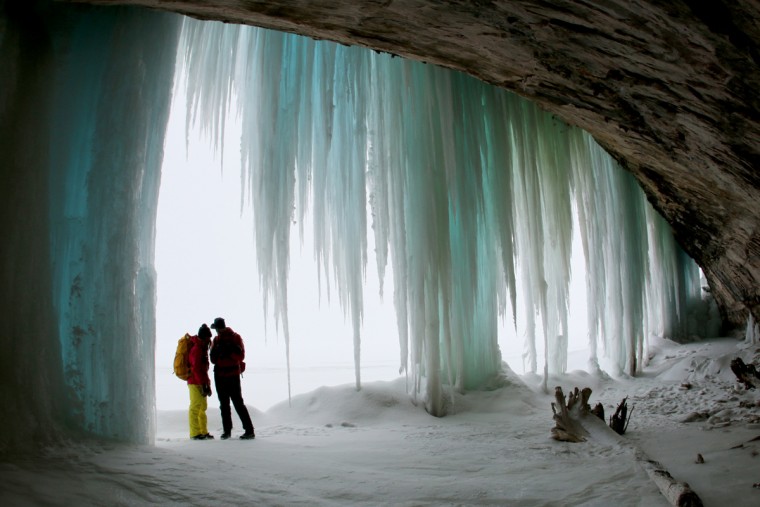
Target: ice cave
{"points": [[471, 189]]}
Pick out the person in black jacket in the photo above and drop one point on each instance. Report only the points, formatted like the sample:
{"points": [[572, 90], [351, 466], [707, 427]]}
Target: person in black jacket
{"points": [[228, 356]]}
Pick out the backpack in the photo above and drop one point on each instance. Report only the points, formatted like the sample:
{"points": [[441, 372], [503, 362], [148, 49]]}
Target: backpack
{"points": [[181, 359], [223, 349]]}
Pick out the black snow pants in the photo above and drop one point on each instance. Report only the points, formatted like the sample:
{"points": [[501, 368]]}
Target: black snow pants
{"points": [[228, 388]]}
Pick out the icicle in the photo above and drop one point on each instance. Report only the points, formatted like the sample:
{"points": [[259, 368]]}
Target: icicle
{"points": [[467, 186], [752, 333]]}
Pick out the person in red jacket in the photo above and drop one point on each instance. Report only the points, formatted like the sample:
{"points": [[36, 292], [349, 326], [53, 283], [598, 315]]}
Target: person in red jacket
{"points": [[199, 384], [228, 355]]}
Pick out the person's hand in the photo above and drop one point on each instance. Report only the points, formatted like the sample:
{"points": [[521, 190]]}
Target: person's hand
{"points": [[207, 390]]}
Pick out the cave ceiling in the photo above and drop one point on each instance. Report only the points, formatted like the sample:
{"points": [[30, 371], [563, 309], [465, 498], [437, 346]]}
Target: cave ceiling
{"points": [[668, 88]]}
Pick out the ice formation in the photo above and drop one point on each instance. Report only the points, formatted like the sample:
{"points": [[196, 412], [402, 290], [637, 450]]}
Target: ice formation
{"points": [[83, 106], [104, 161], [470, 189]]}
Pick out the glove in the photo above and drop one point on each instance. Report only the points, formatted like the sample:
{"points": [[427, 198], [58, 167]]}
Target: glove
{"points": [[206, 390]]}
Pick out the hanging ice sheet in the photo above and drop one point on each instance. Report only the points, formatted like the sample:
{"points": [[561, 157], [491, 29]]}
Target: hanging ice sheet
{"points": [[472, 191]]}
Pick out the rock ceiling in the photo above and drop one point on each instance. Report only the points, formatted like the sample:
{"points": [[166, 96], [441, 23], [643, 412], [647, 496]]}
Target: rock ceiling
{"points": [[669, 88]]}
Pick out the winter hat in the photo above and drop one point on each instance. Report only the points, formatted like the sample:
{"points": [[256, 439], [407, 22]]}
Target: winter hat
{"points": [[204, 332], [218, 323]]}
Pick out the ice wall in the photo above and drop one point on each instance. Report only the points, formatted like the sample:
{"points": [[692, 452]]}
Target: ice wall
{"points": [[472, 193], [83, 108], [114, 75]]}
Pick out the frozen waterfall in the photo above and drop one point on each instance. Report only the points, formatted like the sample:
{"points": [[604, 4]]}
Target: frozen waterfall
{"points": [[471, 192], [84, 103]]}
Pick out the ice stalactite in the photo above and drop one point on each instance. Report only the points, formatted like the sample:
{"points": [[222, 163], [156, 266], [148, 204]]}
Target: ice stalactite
{"points": [[752, 332], [613, 223], [90, 102], [472, 194]]}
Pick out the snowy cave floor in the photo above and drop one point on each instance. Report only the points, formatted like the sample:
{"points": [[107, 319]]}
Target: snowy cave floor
{"points": [[337, 446]]}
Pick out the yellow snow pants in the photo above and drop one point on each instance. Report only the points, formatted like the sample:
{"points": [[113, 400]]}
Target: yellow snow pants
{"points": [[197, 412]]}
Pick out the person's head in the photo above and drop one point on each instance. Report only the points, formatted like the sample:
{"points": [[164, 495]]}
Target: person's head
{"points": [[218, 324], [204, 333]]}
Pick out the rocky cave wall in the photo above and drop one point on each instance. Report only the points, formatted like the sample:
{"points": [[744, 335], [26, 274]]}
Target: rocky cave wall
{"points": [[669, 88]]}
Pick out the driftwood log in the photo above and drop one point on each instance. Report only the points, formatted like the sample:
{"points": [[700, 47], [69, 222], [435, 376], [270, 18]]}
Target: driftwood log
{"points": [[677, 493], [571, 425], [566, 414], [598, 411], [619, 420], [745, 373]]}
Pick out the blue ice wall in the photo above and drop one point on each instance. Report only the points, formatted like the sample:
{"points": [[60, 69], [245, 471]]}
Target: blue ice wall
{"points": [[472, 193], [114, 71], [86, 103]]}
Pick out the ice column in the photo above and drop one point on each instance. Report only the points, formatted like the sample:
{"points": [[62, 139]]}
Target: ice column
{"points": [[105, 174], [83, 131]]}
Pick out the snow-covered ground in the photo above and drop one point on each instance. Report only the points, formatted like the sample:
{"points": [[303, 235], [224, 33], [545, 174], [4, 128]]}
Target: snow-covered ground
{"points": [[337, 446]]}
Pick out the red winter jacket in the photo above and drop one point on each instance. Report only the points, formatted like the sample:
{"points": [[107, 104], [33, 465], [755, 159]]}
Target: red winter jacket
{"points": [[227, 353], [198, 357]]}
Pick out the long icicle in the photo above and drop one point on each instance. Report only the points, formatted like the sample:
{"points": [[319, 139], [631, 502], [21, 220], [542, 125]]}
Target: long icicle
{"points": [[471, 191]]}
